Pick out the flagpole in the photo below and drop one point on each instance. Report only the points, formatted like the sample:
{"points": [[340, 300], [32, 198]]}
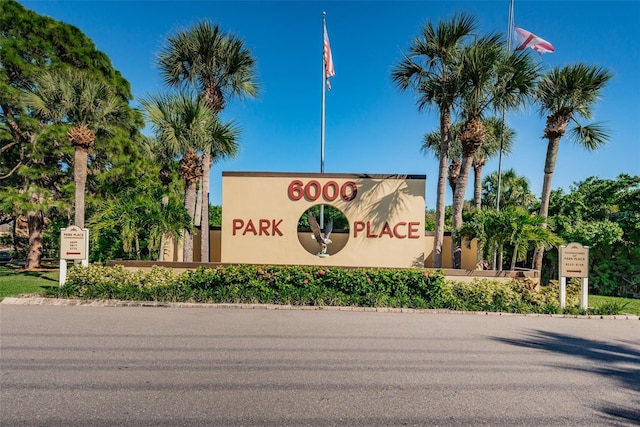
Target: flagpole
{"points": [[324, 83], [509, 35]]}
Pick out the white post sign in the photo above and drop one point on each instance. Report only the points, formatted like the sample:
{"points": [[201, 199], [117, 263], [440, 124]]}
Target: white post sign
{"points": [[74, 245], [574, 262]]}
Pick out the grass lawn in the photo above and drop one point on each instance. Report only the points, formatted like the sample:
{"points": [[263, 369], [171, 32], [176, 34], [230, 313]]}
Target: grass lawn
{"points": [[631, 306], [15, 281]]}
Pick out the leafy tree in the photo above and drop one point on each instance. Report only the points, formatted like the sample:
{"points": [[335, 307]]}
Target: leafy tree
{"points": [[603, 214], [219, 67], [565, 95], [215, 215], [340, 222], [431, 69], [34, 160]]}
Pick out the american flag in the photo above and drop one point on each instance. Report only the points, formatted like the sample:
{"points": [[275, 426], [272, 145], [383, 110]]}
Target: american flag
{"points": [[329, 71]]}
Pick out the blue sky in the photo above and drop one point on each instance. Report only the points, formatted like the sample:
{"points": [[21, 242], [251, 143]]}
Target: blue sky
{"points": [[371, 127]]}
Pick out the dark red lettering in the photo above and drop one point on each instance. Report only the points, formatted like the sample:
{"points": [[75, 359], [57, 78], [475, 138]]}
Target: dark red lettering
{"points": [[369, 233], [264, 227], [386, 230], [396, 232], [237, 225], [250, 228], [414, 227], [295, 190], [330, 187], [344, 191], [274, 228], [312, 194]]}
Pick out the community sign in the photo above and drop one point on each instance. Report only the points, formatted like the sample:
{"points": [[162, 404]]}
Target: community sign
{"points": [[262, 210]]}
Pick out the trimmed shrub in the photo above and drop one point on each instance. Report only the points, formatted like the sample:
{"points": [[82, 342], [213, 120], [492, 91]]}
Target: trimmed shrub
{"points": [[308, 285]]}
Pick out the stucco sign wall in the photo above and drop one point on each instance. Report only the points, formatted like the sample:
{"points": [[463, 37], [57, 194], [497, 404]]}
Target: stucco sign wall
{"points": [[262, 210]]}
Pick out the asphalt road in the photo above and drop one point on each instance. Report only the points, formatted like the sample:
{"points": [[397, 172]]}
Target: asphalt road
{"points": [[90, 366]]}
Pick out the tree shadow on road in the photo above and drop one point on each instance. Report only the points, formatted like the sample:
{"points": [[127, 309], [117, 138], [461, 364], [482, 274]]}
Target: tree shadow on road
{"points": [[619, 361]]}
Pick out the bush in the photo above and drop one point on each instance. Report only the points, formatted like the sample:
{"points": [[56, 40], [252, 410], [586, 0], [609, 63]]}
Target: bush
{"points": [[307, 285]]}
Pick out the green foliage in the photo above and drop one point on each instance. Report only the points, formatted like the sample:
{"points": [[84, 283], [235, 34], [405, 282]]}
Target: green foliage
{"points": [[340, 222], [513, 227], [36, 162], [603, 214], [296, 285], [307, 285], [512, 297], [132, 224], [514, 190], [613, 305], [215, 216]]}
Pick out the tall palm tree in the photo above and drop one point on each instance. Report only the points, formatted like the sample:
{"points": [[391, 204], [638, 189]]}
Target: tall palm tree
{"points": [[219, 67], [493, 79], [564, 95], [183, 125], [431, 143], [490, 148], [90, 108], [431, 69], [223, 144]]}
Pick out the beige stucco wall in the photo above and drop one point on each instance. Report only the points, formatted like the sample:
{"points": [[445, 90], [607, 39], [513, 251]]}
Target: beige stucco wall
{"points": [[173, 251], [261, 213], [385, 213]]}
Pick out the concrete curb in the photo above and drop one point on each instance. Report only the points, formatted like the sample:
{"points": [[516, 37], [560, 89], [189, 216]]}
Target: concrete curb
{"points": [[117, 303]]}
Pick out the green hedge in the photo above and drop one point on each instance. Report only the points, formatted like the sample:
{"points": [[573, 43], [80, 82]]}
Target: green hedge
{"points": [[306, 285]]}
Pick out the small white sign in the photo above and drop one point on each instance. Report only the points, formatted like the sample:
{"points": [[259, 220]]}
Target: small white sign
{"points": [[574, 260], [73, 243]]}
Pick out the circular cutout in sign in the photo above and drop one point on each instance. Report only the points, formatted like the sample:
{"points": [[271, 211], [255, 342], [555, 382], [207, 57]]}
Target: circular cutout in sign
{"points": [[323, 230]]}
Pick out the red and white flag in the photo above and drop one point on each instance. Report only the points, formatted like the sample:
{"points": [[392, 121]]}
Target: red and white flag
{"points": [[525, 39], [329, 71]]}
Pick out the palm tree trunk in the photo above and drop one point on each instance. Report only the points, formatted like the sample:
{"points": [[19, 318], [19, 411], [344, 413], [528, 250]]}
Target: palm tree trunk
{"points": [[36, 227], [477, 185], [189, 204], [513, 259], [207, 161], [80, 177], [454, 173], [163, 238], [458, 203], [445, 126], [198, 210], [549, 168], [138, 253]]}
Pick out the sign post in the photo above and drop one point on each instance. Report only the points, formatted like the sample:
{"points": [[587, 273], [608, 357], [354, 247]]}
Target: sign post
{"points": [[574, 262], [74, 245]]}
